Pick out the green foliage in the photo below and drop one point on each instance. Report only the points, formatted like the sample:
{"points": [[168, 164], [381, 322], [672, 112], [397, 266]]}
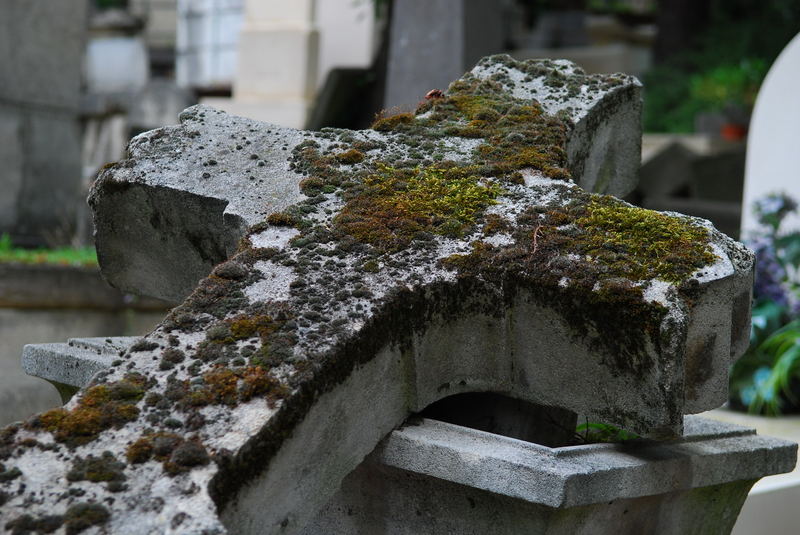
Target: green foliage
{"points": [[593, 432], [83, 256], [111, 4], [728, 84], [621, 6], [764, 375], [765, 379], [726, 66]]}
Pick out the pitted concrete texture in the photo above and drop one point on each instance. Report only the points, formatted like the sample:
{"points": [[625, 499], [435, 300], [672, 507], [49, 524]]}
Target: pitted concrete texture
{"points": [[76, 362], [187, 193], [441, 252], [432, 477]]}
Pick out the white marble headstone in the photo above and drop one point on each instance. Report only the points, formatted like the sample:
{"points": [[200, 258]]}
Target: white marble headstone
{"points": [[773, 145]]}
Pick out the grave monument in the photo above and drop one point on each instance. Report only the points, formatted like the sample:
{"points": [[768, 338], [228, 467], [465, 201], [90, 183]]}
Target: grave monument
{"points": [[374, 325]]}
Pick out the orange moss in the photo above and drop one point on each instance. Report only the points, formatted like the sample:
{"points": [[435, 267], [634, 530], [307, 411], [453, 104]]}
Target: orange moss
{"points": [[244, 326], [281, 219], [256, 381], [350, 156], [140, 451], [221, 386], [99, 408], [387, 124]]}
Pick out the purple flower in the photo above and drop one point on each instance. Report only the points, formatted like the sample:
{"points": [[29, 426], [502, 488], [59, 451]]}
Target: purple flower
{"points": [[770, 274]]}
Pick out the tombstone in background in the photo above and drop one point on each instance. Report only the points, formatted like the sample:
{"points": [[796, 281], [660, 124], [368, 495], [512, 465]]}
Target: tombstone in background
{"points": [[276, 72], [432, 42], [445, 253], [774, 139], [693, 175], [42, 47]]}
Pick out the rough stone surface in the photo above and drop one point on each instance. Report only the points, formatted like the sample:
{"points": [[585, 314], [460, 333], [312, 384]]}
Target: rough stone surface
{"points": [[439, 253], [74, 363], [186, 194], [433, 477]]}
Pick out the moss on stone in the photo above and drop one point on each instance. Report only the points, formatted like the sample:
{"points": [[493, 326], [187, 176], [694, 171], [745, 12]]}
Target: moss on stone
{"points": [[82, 516], [9, 474], [641, 244], [27, 524], [99, 408], [185, 456], [282, 219], [105, 468], [140, 451], [244, 326], [350, 156], [392, 122], [395, 205], [176, 453], [257, 382]]}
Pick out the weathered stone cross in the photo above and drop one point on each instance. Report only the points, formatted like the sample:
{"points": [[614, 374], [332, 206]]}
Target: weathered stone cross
{"points": [[362, 276]]}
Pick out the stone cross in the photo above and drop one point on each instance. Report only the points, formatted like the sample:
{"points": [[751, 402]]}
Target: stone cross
{"points": [[358, 277]]}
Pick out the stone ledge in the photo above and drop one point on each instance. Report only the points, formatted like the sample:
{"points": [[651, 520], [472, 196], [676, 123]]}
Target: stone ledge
{"points": [[431, 477], [710, 453], [75, 362], [53, 286]]}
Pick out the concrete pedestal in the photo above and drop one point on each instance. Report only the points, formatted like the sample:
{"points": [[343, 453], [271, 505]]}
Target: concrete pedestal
{"points": [[432, 477]]}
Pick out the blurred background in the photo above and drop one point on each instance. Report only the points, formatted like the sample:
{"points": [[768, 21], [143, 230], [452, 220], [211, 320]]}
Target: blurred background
{"points": [[79, 78]]}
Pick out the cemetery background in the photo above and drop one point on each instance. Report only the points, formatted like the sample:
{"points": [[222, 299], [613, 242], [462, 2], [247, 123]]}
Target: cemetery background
{"points": [[104, 112]]}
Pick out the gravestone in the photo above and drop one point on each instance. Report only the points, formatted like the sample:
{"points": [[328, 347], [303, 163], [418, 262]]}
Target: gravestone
{"points": [[432, 42], [377, 273], [771, 165], [40, 84]]}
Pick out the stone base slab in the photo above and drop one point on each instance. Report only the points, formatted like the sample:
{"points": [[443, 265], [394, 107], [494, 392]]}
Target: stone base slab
{"points": [[433, 477]]}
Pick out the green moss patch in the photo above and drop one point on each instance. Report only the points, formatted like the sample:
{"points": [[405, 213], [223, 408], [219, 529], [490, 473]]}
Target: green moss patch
{"points": [[105, 468], [586, 259], [641, 244], [176, 453], [82, 516], [395, 205]]}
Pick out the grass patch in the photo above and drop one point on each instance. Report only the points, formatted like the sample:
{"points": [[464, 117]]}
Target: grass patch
{"points": [[63, 256]]}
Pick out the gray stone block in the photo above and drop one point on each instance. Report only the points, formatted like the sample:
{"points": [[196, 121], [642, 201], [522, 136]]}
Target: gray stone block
{"points": [[433, 477], [41, 176], [43, 286], [432, 42], [76, 362], [53, 188], [604, 111], [43, 46], [11, 164]]}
